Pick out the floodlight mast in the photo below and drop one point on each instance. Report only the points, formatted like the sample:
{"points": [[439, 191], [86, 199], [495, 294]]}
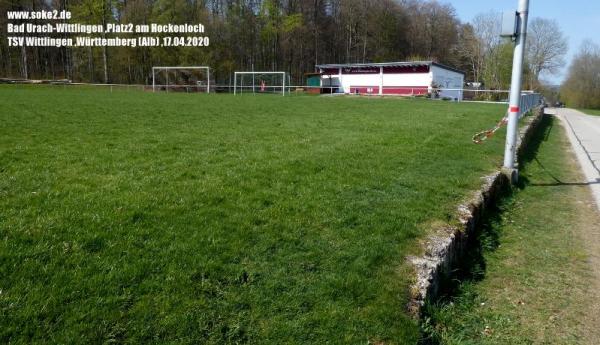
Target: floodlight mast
{"points": [[515, 90]]}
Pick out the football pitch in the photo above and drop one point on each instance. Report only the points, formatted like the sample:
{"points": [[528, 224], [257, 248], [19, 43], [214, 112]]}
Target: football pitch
{"points": [[138, 217]]}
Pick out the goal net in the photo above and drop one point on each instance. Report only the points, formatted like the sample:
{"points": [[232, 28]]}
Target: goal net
{"points": [[181, 79], [260, 82]]}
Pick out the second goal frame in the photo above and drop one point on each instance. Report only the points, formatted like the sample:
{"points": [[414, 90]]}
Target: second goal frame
{"points": [[169, 68], [236, 74]]}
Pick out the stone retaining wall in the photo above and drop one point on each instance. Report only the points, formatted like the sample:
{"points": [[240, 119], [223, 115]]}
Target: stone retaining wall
{"points": [[447, 248]]}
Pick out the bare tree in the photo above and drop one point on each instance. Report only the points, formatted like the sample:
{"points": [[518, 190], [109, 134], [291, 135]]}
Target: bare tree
{"points": [[470, 50], [546, 48], [487, 28], [479, 42]]}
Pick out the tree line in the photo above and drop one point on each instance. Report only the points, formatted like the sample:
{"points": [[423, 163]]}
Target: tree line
{"points": [[284, 35], [581, 88]]}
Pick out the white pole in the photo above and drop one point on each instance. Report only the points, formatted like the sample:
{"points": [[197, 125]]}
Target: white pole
{"points": [[208, 83], [321, 80], [153, 81], [234, 83], [515, 89], [381, 81], [340, 80], [283, 94]]}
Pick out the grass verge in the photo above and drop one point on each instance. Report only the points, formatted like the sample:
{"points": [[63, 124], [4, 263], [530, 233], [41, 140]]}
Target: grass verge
{"points": [[532, 282], [595, 112], [140, 217]]}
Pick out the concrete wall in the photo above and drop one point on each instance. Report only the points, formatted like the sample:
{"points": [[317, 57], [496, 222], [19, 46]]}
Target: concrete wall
{"points": [[446, 79], [409, 83]]}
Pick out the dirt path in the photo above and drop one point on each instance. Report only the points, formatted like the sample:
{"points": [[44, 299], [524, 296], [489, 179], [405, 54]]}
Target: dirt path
{"points": [[584, 134]]}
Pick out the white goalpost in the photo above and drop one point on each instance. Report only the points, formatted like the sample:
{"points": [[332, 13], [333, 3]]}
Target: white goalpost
{"points": [[184, 78], [260, 82]]}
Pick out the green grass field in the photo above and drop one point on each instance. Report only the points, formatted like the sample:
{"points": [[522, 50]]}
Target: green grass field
{"points": [[134, 217], [591, 111]]}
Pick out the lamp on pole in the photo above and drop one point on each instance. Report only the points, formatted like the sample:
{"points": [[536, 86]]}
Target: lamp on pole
{"points": [[520, 36]]}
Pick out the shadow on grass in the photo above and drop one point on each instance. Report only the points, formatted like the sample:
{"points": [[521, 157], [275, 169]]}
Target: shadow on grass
{"points": [[530, 155], [486, 239]]}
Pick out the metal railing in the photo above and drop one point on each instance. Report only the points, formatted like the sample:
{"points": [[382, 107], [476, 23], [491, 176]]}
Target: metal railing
{"points": [[529, 101]]}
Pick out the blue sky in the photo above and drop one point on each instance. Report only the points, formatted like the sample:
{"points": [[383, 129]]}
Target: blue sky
{"points": [[578, 19]]}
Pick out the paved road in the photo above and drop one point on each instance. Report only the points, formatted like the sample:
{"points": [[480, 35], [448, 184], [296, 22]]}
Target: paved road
{"points": [[584, 134]]}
